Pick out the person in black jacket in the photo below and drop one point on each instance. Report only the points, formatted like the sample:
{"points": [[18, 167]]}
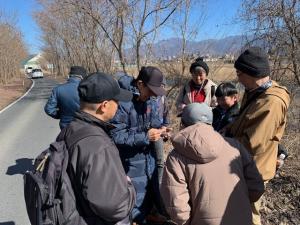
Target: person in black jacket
{"points": [[104, 194], [228, 107]]}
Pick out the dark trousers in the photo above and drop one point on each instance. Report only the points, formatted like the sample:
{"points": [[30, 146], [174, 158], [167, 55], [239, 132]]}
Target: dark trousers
{"points": [[159, 157], [158, 146]]}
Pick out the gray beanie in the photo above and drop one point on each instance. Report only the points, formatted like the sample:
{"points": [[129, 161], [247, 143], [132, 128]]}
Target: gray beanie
{"points": [[254, 62], [196, 112]]}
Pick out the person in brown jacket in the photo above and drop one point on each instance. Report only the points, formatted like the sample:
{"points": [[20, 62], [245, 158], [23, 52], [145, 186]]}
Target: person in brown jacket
{"points": [[208, 180], [263, 114]]}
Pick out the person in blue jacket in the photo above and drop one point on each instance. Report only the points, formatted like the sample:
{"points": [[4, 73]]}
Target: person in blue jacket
{"points": [[64, 100], [138, 125]]}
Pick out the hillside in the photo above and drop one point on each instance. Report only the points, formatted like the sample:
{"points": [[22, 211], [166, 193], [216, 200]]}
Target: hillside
{"points": [[213, 47]]}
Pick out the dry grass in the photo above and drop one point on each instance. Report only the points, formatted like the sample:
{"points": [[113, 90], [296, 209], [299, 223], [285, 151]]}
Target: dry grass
{"points": [[13, 90]]}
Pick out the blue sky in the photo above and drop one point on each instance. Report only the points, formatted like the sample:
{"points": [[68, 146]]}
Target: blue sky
{"points": [[219, 20], [23, 10]]}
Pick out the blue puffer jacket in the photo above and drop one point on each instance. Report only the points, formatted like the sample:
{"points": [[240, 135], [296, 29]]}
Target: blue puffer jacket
{"points": [[133, 120], [64, 101]]}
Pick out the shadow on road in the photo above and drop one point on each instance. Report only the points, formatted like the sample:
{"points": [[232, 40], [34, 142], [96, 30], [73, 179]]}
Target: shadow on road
{"points": [[22, 165], [7, 223]]}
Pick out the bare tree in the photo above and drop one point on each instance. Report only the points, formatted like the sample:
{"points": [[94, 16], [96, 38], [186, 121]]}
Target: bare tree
{"points": [[12, 48], [90, 23], [186, 29], [145, 17], [276, 24], [109, 18], [72, 37]]}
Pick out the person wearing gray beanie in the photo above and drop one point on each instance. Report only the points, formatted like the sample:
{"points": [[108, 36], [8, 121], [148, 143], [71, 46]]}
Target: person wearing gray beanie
{"points": [[207, 178], [195, 113], [262, 117]]}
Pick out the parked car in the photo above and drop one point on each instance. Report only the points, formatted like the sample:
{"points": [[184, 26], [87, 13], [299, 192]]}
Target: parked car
{"points": [[37, 73], [28, 70]]}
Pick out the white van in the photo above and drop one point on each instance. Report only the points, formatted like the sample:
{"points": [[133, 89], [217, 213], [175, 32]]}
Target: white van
{"points": [[28, 70]]}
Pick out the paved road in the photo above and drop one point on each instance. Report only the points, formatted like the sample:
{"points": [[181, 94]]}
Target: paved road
{"points": [[25, 130]]}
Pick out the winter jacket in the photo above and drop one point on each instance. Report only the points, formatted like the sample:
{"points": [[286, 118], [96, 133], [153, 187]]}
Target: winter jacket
{"points": [[185, 97], [207, 181], [132, 121], [64, 101], [103, 193], [260, 126], [162, 109], [222, 117]]}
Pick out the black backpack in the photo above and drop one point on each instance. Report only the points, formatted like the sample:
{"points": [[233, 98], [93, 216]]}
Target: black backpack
{"points": [[48, 192]]}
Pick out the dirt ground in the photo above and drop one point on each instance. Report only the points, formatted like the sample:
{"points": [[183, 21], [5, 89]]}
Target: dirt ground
{"points": [[16, 88], [13, 90]]}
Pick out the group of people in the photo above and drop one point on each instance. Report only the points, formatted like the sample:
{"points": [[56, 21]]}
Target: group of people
{"points": [[222, 158]]}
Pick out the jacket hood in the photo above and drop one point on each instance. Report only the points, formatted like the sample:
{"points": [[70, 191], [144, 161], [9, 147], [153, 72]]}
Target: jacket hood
{"points": [[127, 82], [279, 91], [198, 142]]}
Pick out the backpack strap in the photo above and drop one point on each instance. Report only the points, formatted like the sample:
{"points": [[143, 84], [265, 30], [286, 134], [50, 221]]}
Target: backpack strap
{"points": [[80, 134]]}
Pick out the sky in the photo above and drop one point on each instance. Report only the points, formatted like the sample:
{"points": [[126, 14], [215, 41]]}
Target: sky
{"points": [[219, 20], [23, 10]]}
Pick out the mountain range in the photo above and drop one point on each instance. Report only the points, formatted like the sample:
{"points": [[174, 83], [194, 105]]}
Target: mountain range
{"points": [[212, 47]]}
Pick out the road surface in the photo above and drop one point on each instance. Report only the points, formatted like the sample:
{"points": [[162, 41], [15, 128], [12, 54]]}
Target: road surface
{"points": [[25, 130]]}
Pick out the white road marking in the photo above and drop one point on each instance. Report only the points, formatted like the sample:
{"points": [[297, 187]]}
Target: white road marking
{"points": [[11, 104]]}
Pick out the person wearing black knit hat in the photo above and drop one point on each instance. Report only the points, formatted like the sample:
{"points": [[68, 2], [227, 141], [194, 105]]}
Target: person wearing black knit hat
{"points": [[64, 100], [262, 117], [198, 89], [253, 62]]}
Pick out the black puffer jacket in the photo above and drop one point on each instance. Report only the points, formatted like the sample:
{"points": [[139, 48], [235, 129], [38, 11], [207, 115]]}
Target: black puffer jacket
{"points": [[222, 118], [103, 194]]}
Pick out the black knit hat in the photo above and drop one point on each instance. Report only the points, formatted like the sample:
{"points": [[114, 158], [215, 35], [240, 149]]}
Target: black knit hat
{"points": [[199, 63], [78, 71], [254, 62]]}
